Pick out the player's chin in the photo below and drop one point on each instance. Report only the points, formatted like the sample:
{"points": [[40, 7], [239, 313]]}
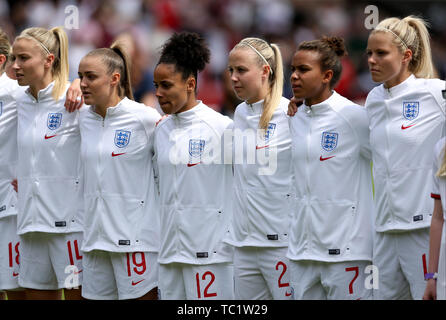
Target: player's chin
{"points": [[88, 99], [377, 76], [166, 107], [22, 81]]}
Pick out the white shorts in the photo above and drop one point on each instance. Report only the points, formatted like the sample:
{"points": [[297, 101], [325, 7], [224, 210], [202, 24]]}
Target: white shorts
{"points": [[401, 259], [316, 280], [179, 281], [9, 253], [261, 274], [119, 275], [50, 261]]}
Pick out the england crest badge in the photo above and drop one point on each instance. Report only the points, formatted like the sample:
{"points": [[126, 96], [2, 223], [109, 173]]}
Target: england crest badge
{"points": [[196, 147], [329, 141], [122, 138], [270, 131], [411, 110], [54, 120]]}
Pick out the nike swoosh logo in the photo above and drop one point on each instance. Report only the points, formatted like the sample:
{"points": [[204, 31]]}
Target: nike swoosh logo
{"points": [[323, 159], [403, 127], [257, 147], [135, 283], [287, 294], [77, 272], [117, 154], [192, 164], [15, 274], [49, 137]]}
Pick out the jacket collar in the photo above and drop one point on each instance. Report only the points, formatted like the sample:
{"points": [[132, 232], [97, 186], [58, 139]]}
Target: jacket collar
{"points": [[42, 94], [320, 107], [190, 114], [256, 107], [110, 110], [399, 88]]}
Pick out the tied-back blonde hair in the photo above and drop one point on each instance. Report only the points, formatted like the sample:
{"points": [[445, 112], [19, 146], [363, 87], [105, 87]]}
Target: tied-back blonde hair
{"points": [[267, 55], [442, 171], [5, 48], [411, 33], [54, 41], [116, 59]]}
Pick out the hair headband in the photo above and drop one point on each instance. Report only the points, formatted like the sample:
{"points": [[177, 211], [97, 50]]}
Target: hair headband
{"points": [[259, 54], [398, 37], [35, 39]]}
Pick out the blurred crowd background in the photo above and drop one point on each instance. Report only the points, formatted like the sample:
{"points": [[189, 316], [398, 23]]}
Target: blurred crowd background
{"points": [[146, 24]]}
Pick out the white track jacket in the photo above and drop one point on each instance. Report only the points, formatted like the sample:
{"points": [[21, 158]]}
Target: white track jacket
{"points": [[332, 216], [262, 177], [439, 184], [195, 187], [121, 212], [8, 146], [48, 138], [405, 123]]}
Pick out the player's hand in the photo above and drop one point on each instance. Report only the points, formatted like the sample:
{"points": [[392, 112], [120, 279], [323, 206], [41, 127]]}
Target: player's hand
{"points": [[293, 105], [74, 99], [15, 185], [430, 293]]}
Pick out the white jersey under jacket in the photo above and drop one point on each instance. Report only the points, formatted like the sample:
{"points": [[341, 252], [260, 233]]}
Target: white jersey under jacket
{"points": [[262, 177], [332, 217], [49, 184], [195, 187], [8, 145], [121, 213], [405, 123]]}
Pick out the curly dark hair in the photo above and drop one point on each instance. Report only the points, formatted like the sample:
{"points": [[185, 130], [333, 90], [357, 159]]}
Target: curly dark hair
{"points": [[188, 51]]}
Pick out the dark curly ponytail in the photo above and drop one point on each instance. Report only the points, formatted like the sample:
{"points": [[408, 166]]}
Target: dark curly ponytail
{"points": [[187, 51], [331, 50]]}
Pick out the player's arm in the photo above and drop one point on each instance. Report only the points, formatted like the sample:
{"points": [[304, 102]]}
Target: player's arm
{"points": [[437, 221], [293, 105], [74, 99]]}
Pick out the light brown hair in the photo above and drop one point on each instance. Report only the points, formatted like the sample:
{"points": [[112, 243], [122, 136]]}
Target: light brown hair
{"points": [[116, 59]]}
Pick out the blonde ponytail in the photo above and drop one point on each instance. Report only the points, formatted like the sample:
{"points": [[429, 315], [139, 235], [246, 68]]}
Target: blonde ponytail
{"points": [[268, 55], [411, 33], [421, 65], [442, 170], [54, 41], [272, 100], [60, 67]]}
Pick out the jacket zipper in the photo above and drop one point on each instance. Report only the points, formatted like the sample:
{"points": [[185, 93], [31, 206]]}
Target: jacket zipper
{"points": [[307, 178]]}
